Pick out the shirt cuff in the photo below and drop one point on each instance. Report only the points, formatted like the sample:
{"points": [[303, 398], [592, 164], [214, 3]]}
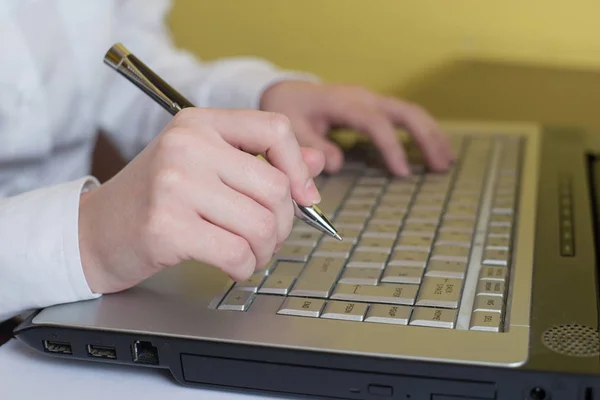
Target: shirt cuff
{"points": [[79, 284], [40, 262], [242, 85]]}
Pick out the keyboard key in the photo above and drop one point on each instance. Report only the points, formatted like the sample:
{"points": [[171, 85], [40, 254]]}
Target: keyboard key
{"points": [[375, 244], [440, 292], [436, 178], [368, 259], [360, 276], [359, 208], [451, 253], [395, 198], [433, 317], [377, 229], [386, 314], [490, 288], [438, 191], [462, 208], [277, 284], [414, 243], [420, 228], [446, 269], [457, 225], [498, 242], [392, 294], [496, 257], [385, 214], [493, 273], [426, 216], [488, 303], [361, 199], [334, 249], [287, 268], [344, 310], [237, 300], [372, 181], [454, 238], [408, 258], [501, 220], [485, 321], [403, 187], [503, 208], [292, 252], [461, 217], [463, 203], [500, 230], [354, 213], [370, 191], [302, 307], [303, 238], [394, 205], [318, 277], [349, 221], [398, 274], [423, 202], [252, 283]]}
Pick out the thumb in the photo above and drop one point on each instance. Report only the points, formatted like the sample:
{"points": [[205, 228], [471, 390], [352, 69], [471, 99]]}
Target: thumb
{"points": [[308, 137]]}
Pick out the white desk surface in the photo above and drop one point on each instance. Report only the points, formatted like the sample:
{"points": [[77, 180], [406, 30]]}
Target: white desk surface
{"points": [[26, 374]]}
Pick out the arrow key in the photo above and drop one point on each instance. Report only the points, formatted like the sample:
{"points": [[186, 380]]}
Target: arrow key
{"points": [[277, 284], [237, 300]]}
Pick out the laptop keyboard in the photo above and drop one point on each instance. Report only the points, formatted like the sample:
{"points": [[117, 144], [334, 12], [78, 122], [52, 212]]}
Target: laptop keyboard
{"points": [[431, 250]]}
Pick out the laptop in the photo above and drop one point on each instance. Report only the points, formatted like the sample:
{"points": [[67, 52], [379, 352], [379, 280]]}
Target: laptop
{"points": [[479, 283]]}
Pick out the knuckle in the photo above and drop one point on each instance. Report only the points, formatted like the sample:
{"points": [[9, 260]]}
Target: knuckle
{"points": [[266, 228], [166, 180], [172, 141], [280, 125], [238, 254], [281, 186]]}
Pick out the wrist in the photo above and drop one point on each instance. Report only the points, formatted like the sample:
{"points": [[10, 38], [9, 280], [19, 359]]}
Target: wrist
{"points": [[87, 245]]}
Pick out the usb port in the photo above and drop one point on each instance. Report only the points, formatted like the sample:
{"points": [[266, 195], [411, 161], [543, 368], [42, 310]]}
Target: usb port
{"points": [[102, 352], [57, 347]]}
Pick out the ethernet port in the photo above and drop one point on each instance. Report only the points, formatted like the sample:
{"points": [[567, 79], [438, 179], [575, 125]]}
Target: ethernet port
{"points": [[145, 353]]}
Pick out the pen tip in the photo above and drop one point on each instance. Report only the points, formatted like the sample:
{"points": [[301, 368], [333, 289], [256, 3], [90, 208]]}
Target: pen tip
{"points": [[337, 236]]}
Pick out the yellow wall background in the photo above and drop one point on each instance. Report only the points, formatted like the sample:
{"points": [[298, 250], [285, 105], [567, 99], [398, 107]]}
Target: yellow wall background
{"points": [[387, 44]]}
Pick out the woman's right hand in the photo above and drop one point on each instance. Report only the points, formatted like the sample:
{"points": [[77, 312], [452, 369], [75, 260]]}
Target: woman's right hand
{"points": [[196, 193]]}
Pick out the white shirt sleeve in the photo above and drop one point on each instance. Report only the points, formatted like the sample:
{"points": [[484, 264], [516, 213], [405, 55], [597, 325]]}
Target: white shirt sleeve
{"points": [[132, 119], [42, 265]]}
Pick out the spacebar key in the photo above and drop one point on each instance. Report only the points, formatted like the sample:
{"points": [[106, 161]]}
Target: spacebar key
{"points": [[318, 277], [390, 294]]}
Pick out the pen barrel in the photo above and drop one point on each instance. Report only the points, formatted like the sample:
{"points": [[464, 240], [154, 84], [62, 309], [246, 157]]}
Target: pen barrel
{"points": [[138, 73], [176, 101]]}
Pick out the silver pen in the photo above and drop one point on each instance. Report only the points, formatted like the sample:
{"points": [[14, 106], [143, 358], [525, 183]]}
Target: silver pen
{"points": [[128, 65]]}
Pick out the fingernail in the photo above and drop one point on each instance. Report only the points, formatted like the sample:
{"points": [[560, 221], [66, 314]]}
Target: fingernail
{"points": [[312, 191]]}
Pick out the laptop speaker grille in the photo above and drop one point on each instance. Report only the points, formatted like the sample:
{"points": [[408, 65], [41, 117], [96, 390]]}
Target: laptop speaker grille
{"points": [[573, 340]]}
